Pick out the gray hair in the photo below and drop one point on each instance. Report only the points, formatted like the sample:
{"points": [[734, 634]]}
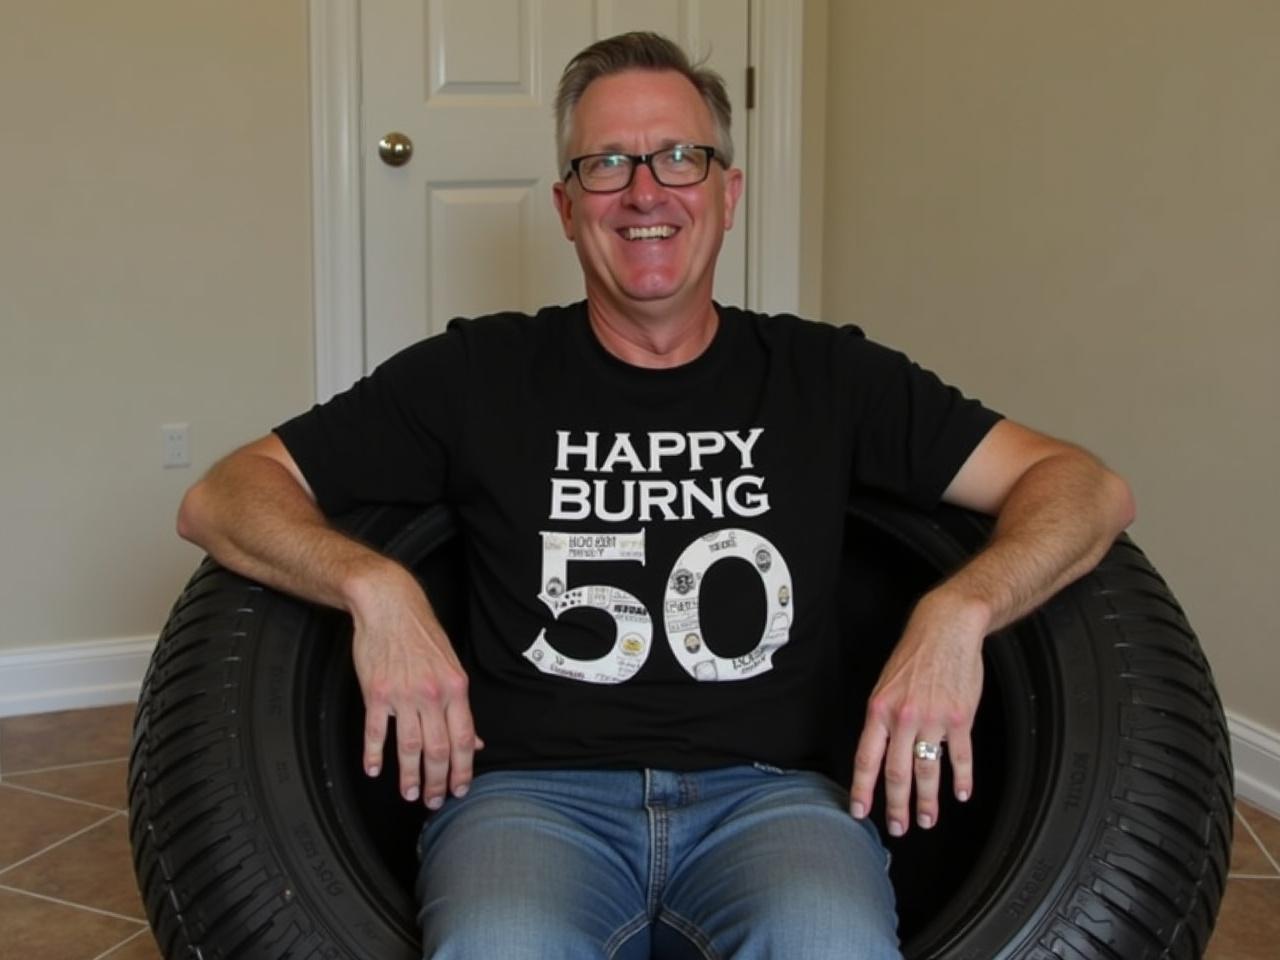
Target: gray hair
{"points": [[638, 51]]}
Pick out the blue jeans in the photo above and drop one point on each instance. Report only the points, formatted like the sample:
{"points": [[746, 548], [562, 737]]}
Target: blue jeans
{"points": [[744, 862]]}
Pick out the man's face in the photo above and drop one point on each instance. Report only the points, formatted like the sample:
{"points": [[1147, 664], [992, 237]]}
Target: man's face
{"points": [[638, 112]]}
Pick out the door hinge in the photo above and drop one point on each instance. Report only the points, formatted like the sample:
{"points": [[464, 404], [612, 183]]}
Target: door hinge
{"points": [[751, 88]]}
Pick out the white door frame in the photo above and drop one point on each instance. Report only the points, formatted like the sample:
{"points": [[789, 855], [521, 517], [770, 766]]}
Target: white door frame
{"points": [[773, 189]]}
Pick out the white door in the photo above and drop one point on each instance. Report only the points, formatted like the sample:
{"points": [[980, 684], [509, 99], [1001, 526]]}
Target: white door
{"points": [[467, 226]]}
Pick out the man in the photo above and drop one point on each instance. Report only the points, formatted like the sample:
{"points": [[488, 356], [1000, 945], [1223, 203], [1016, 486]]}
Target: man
{"points": [[652, 775]]}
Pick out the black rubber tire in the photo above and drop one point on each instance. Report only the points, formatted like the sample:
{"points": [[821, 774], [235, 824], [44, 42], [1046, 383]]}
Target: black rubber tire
{"points": [[1100, 826]]}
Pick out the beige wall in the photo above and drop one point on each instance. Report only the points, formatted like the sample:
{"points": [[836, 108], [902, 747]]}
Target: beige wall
{"points": [[1073, 210], [154, 267]]}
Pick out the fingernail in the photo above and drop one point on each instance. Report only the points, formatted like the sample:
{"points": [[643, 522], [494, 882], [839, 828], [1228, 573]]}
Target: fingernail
{"points": [[895, 828], [373, 770], [461, 791], [411, 794], [858, 811], [962, 795], [435, 803], [925, 821]]}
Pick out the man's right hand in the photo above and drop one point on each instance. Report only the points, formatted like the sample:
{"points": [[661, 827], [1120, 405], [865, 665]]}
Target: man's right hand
{"points": [[408, 670], [255, 514]]}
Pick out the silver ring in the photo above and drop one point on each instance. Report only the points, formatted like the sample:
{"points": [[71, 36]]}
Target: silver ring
{"points": [[925, 750]]}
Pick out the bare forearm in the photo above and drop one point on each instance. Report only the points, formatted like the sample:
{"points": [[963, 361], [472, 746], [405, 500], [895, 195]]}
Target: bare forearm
{"points": [[252, 516], [1058, 510], [1056, 523]]}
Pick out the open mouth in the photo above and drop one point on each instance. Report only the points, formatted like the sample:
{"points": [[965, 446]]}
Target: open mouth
{"points": [[657, 232]]}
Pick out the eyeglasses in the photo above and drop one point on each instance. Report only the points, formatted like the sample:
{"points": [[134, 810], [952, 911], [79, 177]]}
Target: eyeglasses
{"points": [[683, 165]]}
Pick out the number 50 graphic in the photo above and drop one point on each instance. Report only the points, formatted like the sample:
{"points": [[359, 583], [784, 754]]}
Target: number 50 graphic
{"points": [[633, 624]]}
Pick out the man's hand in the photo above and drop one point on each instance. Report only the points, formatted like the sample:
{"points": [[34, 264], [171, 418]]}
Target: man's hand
{"points": [[928, 690], [408, 670], [256, 515], [1057, 510]]}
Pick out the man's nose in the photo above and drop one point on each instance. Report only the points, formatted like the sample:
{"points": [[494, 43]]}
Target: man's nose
{"points": [[644, 190]]}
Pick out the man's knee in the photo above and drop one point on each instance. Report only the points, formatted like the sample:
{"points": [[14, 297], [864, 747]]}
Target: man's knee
{"points": [[518, 931], [815, 928]]}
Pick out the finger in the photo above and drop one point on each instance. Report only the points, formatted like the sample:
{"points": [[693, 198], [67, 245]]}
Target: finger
{"points": [[462, 746], [409, 753], [375, 737], [897, 781], [866, 767], [960, 753], [436, 751], [928, 774]]}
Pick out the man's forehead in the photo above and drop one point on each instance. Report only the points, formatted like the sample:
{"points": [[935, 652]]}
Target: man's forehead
{"points": [[663, 105]]}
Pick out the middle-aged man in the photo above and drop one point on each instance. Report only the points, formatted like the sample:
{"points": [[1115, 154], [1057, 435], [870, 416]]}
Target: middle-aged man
{"points": [[653, 779]]}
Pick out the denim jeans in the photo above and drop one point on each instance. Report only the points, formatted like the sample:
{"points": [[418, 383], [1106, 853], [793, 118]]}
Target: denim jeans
{"points": [[744, 862]]}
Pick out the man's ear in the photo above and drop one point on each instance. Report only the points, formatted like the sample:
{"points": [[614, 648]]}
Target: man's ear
{"points": [[564, 206], [734, 181]]}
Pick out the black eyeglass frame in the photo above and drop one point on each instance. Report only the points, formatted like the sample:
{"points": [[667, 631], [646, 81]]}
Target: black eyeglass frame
{"points": [[647, 159]]}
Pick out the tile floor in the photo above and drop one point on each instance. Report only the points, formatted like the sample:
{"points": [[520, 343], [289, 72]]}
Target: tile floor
{"points": [[67, 890]]}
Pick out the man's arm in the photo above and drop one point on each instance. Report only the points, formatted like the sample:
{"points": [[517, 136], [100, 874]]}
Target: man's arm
{"points": [[255, 514], [1058, 510]]}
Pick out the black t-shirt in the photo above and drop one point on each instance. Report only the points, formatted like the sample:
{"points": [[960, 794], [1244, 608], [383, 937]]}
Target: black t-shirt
{"points": [[653, 554]]}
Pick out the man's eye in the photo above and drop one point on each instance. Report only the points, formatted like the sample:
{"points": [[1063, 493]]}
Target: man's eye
{"points": [[678, 157], [607, 163]]}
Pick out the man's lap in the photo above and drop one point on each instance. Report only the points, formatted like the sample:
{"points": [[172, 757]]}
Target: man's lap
{"points": [[740, 862]]}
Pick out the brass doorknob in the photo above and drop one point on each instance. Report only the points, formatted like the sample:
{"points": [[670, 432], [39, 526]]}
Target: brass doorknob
{"points": [[395, 149]]}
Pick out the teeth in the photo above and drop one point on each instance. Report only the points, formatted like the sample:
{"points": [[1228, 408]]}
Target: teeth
{"points": [[649, 233]]}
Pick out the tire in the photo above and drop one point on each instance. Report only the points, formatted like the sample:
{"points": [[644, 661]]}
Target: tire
{"points": [[1100, 826]]}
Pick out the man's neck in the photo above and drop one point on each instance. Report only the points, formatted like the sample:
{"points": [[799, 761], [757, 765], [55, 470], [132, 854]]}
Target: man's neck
{"points": [[655, 341]]}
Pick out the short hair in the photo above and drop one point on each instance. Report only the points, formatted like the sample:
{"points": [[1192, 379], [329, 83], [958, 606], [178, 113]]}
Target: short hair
{"points": [[639, 50]]}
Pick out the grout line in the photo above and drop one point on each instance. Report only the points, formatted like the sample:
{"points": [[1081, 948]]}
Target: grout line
{"points": [[1253, 876], [1261, 846], [64, 766], [59, 796], [129, 939], [68, 903], [52, 846]]}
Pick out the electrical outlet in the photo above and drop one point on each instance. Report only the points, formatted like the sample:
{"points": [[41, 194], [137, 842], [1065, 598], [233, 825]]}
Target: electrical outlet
{"points": [[175, 448]]}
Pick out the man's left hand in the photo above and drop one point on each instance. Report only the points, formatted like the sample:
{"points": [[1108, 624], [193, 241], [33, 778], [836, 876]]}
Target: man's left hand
{"points": [[928, 692]]}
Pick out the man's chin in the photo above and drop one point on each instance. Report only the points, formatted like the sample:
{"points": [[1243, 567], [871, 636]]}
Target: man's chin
{"points": [[649, 295], [653, 289]]}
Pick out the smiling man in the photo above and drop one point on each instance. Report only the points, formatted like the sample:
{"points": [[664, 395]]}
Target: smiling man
{"points": [[655, 774]]}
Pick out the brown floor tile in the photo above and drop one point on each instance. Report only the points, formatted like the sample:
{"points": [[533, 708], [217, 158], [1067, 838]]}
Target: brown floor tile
{"points": [[1246, 856], [141, 947], [33, 928], [71, 736], [1248, 922], [1265, 826], [93, 870], [102, 783], [29, 823]]}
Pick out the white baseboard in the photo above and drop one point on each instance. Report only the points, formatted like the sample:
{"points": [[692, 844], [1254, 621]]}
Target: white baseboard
{"points": [[1255, 751], [68, 676]]}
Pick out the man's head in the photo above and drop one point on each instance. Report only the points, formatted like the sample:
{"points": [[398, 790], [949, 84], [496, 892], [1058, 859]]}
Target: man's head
{"points": [[638, 51], [647, 190]]}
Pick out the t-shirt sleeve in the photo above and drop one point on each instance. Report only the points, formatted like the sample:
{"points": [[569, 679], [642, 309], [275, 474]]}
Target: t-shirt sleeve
{"points": [[392, 437], [912, 432]]}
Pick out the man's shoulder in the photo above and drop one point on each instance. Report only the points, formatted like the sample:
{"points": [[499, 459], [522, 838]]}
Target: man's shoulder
{"points": [[513, 327], [787, 330], [486, 339]]}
